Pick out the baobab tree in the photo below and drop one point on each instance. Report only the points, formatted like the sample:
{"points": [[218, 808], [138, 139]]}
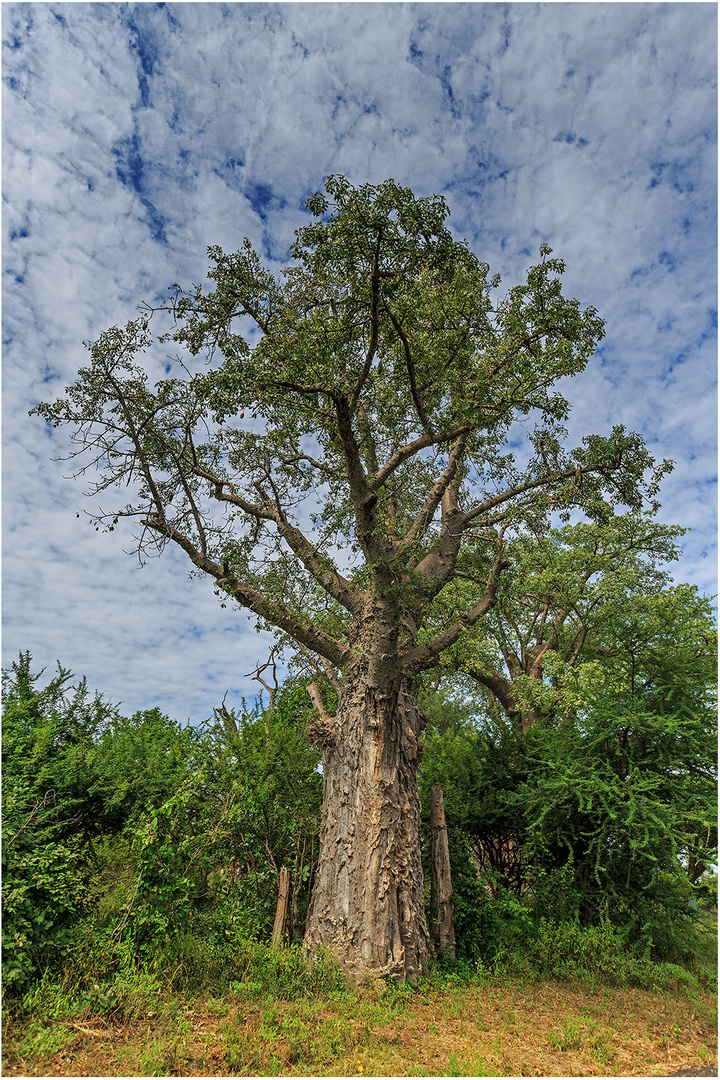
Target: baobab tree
{"points": [[373, 399]]}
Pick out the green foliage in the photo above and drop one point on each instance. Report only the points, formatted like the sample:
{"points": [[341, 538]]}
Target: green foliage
{"points": [[707, 892], [113, 827], [604, 808], [49, 814], [48, 735], [206, 861], [595, 954], [75, 773], [139, 762], [44, 886], [370, 392], [264, 760], [374, 382]]}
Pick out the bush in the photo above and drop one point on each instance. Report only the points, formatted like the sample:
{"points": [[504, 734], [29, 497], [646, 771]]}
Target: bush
{"points": [[49, 816], [105, 977], [43, 888]]}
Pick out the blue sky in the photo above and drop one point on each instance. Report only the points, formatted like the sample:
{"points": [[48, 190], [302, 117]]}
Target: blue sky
{"points": [[135, 135]]}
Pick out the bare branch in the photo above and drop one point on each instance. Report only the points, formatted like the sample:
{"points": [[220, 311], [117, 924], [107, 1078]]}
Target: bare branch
{"points": [[319, 566], [272, 690], [374, 326], [319, 465], [410, 365], [530, 485], [331, 674]]}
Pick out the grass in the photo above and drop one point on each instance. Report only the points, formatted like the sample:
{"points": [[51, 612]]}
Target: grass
{"points": [[243, 1008], [490, 1026]]}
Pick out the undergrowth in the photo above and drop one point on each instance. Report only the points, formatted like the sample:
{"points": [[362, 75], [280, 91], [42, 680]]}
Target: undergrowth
{"points": [[102, 978], [100, 983], [599, 954]]}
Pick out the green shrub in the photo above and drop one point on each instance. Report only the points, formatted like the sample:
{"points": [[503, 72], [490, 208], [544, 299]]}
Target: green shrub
{"points": [[43, 891], [106, 977]]}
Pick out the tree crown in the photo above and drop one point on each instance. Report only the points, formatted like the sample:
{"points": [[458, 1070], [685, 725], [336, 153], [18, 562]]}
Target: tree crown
{"points": [[361, 402]]}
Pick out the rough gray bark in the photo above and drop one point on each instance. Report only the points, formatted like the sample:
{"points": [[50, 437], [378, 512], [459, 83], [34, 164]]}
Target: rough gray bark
{"points": [[367, 905], [442, 909]]}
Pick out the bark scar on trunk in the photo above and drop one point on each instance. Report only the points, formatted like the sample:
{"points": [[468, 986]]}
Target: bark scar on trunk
{"points": [[367, 906]]}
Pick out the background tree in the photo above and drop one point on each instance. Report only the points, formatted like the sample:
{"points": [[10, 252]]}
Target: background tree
{"points": [[604, 809], [552, 604], [373, 409], [263, 761], [205, 862], [133, 831], [138, 763]]}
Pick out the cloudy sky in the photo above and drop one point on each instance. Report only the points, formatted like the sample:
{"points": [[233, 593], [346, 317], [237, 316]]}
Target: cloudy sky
{"points": [[135, 135]]}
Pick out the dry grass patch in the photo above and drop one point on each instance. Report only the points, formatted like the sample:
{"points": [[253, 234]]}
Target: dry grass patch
{"points": [[500, 1029]]}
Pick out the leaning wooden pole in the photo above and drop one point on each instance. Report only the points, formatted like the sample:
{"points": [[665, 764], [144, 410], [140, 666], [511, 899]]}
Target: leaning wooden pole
{"points": [[442, 927], [282, 906]]}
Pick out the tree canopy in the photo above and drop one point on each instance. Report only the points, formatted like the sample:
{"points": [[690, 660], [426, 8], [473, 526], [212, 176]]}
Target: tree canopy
{"points": [[561, 591], [359, 404], [604, 806]]}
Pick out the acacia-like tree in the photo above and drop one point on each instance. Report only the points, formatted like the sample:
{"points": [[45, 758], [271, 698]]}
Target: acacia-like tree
{"points": [[553, 606], [605, 806], [331, 469], [580, 607]]}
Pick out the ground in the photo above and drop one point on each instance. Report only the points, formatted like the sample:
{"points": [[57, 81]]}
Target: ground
{"points": [[497, 1028]]}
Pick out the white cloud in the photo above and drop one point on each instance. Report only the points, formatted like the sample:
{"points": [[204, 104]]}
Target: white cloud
{"points": [[136, 135]]}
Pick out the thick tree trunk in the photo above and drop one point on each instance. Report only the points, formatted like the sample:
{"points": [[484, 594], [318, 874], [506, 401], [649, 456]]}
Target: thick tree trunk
{"points": [[367, 904], [441, 905]]}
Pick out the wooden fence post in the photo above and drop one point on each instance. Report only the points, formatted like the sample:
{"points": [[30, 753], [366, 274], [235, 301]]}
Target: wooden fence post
{"points": [[442, 928], [282, 906]]}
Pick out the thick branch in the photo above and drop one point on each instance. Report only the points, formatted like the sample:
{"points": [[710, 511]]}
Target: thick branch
{"points": [[581, 638], [331, 675], [438, 566], [404, 453], [425, 656], [316, 564], [427, 513], [315, 696], [367, 443], [363, 498], [497, 684], [323, 732], [274, 611]]}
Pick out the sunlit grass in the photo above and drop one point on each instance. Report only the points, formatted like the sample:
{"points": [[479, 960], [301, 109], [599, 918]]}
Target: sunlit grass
{"points": [[251, 1009], [487, 1027]]}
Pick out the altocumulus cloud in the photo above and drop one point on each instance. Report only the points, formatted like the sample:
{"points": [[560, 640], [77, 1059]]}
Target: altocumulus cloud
{"points": [[136, 135]]}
